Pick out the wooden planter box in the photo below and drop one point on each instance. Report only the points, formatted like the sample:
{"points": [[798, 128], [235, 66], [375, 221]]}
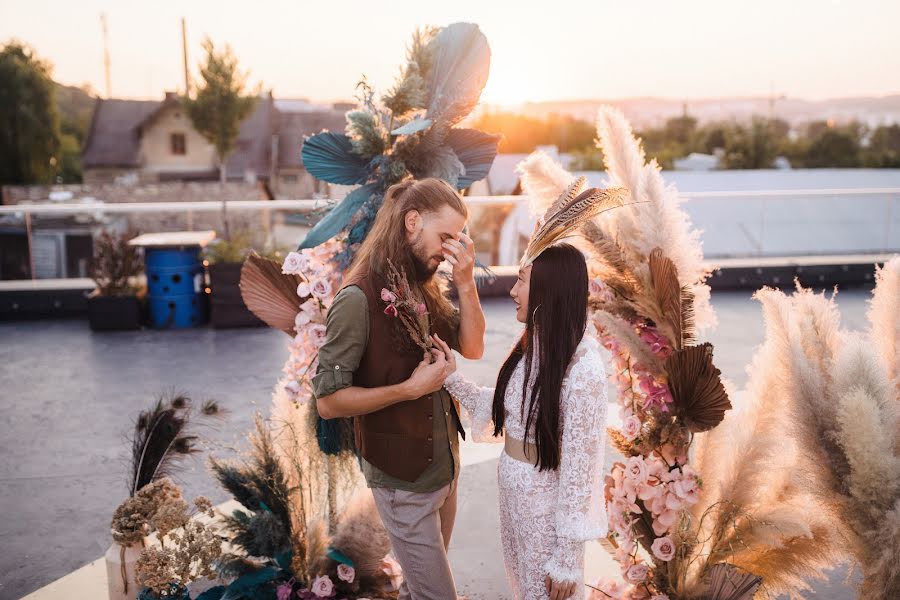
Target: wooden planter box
{"points": [[114, 313], [227, 308]]}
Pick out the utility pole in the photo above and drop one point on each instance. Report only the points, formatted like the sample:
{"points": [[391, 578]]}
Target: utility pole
{"points": [[106, 55], [187, 76]]}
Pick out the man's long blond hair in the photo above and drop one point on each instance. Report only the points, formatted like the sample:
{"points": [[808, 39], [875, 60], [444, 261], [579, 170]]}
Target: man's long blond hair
{"points": [[387, 240]]}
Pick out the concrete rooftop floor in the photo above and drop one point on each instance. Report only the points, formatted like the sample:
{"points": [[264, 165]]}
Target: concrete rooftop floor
{"points": [[68, 398]]}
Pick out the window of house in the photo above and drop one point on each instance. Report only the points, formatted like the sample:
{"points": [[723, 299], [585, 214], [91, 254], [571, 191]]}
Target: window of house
{"points": [[178, 143]]}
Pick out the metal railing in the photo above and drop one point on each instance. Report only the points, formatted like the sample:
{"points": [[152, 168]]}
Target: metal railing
{"points": [[754, 223]]}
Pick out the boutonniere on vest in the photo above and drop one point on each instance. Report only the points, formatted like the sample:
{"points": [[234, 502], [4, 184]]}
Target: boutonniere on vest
{"points": [[402, 304]]}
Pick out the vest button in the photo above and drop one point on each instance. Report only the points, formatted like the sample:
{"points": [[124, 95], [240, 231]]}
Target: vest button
{"points": [[337, 367], [429, 438]]}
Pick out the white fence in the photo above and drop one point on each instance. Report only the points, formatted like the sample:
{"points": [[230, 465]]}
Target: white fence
{"points": [[743, 224]]}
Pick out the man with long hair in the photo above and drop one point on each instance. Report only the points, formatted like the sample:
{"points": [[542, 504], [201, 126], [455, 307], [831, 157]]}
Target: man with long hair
{"points": [[406, 425]]}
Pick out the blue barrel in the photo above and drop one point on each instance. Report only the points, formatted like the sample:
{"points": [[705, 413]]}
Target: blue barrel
{"points": [[175, 286]]}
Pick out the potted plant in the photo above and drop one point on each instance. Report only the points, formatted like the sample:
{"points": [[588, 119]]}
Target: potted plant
{"points": [[224, 259], [115, 304]]}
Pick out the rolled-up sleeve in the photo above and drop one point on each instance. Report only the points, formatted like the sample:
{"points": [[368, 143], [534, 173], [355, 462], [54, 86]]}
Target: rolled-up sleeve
{"points": [[346, 334]]}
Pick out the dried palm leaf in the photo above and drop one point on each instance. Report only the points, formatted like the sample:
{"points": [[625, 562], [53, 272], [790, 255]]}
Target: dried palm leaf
{"points": [[699, 398], [727, 582], [270, 294], [568, 213], [675, 301]]}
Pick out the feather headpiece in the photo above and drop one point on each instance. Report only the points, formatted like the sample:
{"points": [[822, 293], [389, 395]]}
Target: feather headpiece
{"points": [[573, 208]]}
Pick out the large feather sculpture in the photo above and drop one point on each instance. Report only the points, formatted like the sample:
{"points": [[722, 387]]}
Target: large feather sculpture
{"points": [[572, 209], [270, 294]]}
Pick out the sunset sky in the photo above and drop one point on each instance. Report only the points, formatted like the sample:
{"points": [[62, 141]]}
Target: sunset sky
{"points": [[541, 50]]}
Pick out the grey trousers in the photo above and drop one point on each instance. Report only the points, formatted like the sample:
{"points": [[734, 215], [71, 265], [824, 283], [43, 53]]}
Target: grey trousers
{"points": [[420, 526]]}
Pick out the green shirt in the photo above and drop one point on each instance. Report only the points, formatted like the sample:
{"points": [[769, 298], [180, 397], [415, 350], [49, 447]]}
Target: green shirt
{"points": [[347, 333]]}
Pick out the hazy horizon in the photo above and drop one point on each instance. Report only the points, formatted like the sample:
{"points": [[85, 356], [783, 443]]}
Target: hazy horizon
{"points": [[566, 51]]}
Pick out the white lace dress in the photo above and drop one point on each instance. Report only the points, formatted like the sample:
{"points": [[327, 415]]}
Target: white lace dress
{"points": [[545, 517]]}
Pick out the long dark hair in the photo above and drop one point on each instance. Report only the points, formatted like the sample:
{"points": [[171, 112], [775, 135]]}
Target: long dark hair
{"points": [[557, 319]]}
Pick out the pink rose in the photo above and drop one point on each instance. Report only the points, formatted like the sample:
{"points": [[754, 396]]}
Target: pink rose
{"points": [[637, 573], [663, 548], [635, 469], [317, 334], [346, 573], [631, 428], [421, 309], [387, 295], [292, 263], [323, 587], [390, 310], [321, 288], [303, 289]]}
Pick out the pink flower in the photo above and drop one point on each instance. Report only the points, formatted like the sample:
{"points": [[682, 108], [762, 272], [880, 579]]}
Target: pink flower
{"points": [[687, 486], [346, 573], [658, 343], [663, 548], [317, 334], [303, 289], [657, 394], [637, 573], [283, 591], [323, 587], [321, 288], [393, 570], [635, 469], [301, 319], [387, 295], [390, 310], [609, 588], [631, 428], [664, 521], [421, 309], [292, 263]]}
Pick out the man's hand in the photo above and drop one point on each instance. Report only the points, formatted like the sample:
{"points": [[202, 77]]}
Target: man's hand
{"points": [[429, 375], [448, 353], [461, 254], [558, 590]]}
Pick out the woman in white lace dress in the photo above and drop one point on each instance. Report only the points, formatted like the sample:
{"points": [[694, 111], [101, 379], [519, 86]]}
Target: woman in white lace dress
{"points": [[549, 475]]}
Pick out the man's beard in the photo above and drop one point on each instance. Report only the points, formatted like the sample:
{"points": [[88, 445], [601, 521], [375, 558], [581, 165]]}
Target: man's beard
{"points": [[421, 271]]}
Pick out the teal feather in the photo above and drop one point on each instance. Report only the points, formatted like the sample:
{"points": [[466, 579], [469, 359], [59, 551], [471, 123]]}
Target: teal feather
{"points": [[329, 156], [338, 217]]}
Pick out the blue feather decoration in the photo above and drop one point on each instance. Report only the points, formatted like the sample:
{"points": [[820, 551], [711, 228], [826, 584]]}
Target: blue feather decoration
{"points": [[338, 556], [476, 150], [338, 217], [329, 156], [328, 434]]}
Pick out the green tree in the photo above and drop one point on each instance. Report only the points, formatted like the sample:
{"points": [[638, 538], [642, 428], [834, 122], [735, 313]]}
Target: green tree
{"points": [[834, 147], [884, 148], [29, 125], [220, 105], [751, 147]]}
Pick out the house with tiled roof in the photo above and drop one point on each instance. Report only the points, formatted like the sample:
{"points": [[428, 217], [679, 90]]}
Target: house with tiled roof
{"points": [[140, 141]]}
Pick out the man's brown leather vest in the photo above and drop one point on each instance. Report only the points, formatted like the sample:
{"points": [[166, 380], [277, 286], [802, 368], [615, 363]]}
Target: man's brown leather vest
{"points": [[396, 439]]}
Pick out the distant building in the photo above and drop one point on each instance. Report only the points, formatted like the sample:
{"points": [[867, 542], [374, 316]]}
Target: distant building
{"points": [[141, 141]]}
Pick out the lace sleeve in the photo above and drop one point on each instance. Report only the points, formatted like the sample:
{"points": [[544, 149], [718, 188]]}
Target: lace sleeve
{"points": [[580, 514], [477, 404]]}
